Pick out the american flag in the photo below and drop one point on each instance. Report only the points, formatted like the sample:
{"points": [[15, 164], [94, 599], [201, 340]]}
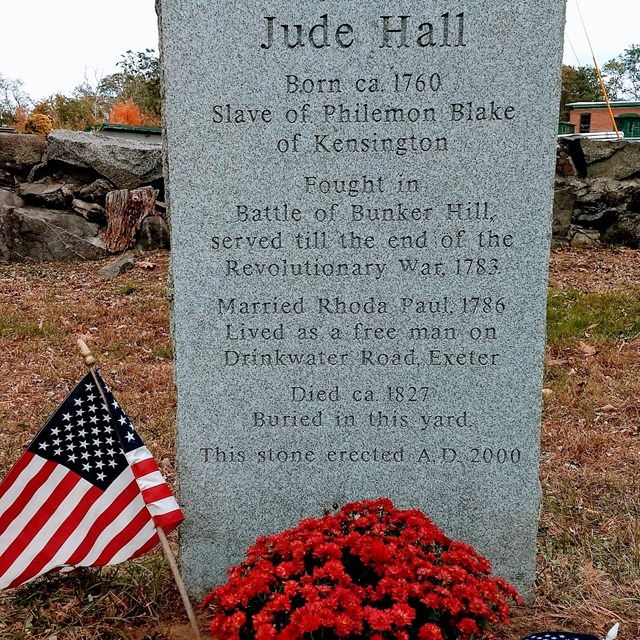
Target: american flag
{"points": [[87, 492]]}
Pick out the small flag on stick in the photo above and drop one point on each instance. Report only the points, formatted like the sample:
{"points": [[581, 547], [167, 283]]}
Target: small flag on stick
{"points": [[87, 492]]}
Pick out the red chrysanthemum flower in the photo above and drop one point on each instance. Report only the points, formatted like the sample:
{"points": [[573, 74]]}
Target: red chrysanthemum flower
{"points": [[430, 631], [369, 571]]}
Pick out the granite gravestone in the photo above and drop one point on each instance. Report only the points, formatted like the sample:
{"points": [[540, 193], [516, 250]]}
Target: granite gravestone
{"points": [[360, 202]]}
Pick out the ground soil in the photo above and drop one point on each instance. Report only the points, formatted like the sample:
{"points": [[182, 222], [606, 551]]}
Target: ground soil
{"points": [[589, 542]]}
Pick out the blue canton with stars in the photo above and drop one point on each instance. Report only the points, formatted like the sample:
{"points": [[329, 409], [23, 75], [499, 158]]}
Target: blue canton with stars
{"points": [[86, 436]]}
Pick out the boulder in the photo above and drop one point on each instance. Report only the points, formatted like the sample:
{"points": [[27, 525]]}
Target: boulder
{"points": [[48, 194], [126, 163], [585, 238], [97, 190], [38, 172], [624, 231], [10, 200], [634, 201], [117, 268], [617, 160], [90, 211], [43, 235], [153, 234], [20, 152], [563, 204], [595, 217]]}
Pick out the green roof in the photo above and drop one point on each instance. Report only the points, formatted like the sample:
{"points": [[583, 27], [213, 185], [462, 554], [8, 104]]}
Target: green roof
{"points": [[108, 126], [615, 104]]}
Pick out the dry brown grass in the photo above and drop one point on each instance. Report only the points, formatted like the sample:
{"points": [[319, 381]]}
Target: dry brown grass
{"points": [[589, 541]]}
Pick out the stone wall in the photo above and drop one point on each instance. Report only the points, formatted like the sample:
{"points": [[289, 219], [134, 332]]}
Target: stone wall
{"points": [[52, 194], [597, 193]]}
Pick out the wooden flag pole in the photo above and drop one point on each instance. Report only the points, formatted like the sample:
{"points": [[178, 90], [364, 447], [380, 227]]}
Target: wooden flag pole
{"points": [[90, 361], [179, 582]]}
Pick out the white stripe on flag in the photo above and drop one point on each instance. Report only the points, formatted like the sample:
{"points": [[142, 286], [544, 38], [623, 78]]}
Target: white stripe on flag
{"points": [[115, 527], [160, 507], [143, 536], [138, 455], [31, 506], [20, 482], [79, 533], [44, 536], [151, 480]]}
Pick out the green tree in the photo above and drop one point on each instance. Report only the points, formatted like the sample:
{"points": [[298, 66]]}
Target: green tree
{"points": [[579, 84], [68, 112], [86, 107], [613, 72], [623, 73], [12, 97]]}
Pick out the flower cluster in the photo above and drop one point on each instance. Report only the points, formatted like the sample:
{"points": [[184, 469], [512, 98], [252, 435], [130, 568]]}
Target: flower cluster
{"points": [[367, 571]]}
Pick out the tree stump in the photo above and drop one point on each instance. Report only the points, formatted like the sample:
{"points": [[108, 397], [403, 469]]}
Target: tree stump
{"points": [[125, 211]]}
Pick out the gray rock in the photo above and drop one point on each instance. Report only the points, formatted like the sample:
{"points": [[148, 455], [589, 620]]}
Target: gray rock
{"points": [[18, 153], [38, 172], [563, 205], [48, 194], [634, 200], [618, 160], [585, 238], [126, 163], [42, 235], [153, 234], [10, 200], [597, 217], [90, 211], [96, 191], [625, 231], [117, 268]]}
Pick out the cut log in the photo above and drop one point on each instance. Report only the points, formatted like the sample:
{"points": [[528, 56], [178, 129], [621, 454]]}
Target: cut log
{"points": [[125, 211]]}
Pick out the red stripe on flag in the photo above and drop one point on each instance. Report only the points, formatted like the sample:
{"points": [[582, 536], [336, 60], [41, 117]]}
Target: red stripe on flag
{"points": [[159, 492], [144, 467], [26, 495], [34, 524], [118, 505], [15, 472], [59, 537], [169, 521], [121, 540]]}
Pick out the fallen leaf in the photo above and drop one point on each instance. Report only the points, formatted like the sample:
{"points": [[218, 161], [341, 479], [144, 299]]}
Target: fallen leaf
{"points": [[608, 408], [587, 349], [144, 264], [554, 362]]}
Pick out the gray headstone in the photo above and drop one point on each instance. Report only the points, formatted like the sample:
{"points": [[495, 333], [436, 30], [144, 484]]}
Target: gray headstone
{"points": [[360, 199]]}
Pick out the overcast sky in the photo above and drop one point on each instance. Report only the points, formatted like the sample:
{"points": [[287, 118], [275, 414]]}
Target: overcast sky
{"points": [[53, 44]]}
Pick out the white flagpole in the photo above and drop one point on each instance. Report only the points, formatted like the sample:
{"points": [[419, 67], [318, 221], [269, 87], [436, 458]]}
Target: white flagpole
{"points": [[90, 362]]}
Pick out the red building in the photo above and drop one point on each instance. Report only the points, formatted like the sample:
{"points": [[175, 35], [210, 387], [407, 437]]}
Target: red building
{"points": [[593, 117]]}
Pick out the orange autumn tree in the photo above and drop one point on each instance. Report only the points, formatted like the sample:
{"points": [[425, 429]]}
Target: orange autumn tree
{"points": [[20, 118], [126, 112]]}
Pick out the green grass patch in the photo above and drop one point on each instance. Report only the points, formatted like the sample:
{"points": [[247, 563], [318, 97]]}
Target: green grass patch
{"points": [[126, 290], [162, 353], [574, 316], [12, 327], [89, 604]]}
